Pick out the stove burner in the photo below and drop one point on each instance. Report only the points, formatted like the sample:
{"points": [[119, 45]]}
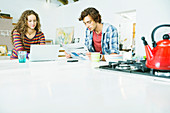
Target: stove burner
{"points": [[132, 66]]}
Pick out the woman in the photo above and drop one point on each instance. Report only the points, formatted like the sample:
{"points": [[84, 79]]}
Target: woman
{"points": [[26, 32]]}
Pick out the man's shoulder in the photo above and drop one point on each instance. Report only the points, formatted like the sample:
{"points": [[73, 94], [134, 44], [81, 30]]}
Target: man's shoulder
{"points": [[108, 27]]}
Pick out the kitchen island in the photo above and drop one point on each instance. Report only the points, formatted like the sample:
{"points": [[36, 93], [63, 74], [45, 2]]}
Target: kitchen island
{"points": [[78, 87]]}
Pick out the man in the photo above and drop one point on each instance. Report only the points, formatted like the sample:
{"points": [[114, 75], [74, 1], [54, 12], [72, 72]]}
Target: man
{"points": [[100, 37]]}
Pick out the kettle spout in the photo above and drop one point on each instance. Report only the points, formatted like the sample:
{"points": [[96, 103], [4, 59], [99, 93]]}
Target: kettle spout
{"points": [[148, 50]]}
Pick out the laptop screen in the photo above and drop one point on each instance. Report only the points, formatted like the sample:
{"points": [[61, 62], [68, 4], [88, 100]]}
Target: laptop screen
{"points": [[44, 52]]}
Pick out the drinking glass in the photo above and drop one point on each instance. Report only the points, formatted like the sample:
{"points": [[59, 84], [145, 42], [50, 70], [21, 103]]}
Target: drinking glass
{"points": [[22, 56]]}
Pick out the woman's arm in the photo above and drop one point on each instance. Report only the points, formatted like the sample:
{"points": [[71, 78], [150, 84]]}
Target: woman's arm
{"points": [[18, 46], [42, 39], [17, 41]]}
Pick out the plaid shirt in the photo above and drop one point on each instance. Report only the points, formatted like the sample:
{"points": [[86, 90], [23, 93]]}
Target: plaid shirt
{"points": [[109, 41]]}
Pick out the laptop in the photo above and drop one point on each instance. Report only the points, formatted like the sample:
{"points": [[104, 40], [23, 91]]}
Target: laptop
{"points": [[40, 53]]}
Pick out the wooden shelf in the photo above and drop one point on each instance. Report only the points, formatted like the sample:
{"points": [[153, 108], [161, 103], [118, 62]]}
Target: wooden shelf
{"points": [[14, 23], [48, 42], [61, 50], [61, 56], [6, 17]]}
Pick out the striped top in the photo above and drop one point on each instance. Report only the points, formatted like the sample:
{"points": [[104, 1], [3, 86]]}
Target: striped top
{"points": [[18, 46]]}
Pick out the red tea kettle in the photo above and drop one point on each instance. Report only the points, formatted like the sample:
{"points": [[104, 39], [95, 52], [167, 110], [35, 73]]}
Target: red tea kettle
{"points": [[158, 58]]}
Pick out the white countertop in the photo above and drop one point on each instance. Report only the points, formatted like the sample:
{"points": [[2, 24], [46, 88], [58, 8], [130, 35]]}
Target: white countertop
{"points": [[78, 87]]}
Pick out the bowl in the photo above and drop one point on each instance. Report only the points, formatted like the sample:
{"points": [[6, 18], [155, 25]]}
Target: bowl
{"points": [[113, 58]]}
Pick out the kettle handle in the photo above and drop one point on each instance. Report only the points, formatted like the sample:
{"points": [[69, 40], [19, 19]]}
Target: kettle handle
{"points": [[153, 32]]}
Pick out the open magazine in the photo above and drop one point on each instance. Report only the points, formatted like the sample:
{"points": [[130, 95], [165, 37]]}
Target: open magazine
{"points": [[77, 51]]}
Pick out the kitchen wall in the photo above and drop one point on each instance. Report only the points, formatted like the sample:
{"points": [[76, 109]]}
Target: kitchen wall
{"points": [[150, 13]]}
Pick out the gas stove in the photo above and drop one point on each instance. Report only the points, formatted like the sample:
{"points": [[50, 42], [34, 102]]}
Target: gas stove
{"points": [[136, 67]]}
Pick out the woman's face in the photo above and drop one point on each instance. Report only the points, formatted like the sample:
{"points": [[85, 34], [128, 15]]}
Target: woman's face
{"points": [[32, 21]]}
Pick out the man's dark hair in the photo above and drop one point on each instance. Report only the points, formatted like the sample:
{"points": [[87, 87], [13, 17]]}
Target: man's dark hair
{"points": [[94, 13]]}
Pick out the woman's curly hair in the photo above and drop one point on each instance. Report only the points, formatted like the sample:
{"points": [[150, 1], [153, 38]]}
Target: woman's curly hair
{"points": [[94, 13], [22, 26]]}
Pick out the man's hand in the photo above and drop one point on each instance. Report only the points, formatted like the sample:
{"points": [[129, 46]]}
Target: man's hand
{"points": [[103, 58], [67, 55], [89, 55]]}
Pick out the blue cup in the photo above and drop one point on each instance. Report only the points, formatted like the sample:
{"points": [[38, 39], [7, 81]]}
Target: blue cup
{"points": [[22, 56]]}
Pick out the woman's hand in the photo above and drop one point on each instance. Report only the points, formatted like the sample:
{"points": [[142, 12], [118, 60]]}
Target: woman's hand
{"points": [[28, 55]]}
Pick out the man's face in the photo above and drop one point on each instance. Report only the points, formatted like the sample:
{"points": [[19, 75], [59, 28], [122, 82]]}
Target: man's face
{"points": [[89, 23]]}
